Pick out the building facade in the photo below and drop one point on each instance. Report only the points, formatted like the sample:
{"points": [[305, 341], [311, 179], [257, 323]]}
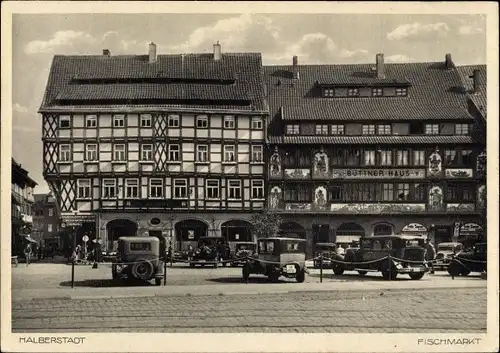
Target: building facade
{"points": [[46, 223], [160, 145], [21, 208], [373, 149]]}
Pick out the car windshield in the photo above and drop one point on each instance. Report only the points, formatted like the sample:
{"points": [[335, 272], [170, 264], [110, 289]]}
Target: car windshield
{"points": [[412, 242], [266, 247]]}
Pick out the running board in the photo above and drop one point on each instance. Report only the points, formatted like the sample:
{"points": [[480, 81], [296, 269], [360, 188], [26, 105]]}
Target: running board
{"points": [[365, 270]]}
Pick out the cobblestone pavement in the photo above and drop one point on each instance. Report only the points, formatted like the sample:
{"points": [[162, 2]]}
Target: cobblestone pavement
{"points": [[403, 311]]}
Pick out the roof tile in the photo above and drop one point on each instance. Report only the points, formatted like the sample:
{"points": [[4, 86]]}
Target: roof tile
{"points": [[369, 139]]}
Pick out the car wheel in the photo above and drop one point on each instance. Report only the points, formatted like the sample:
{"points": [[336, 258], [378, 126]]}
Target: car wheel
{"points": [[362, 273], [454, 269], [338, 270], [158, 281], [142, 269], [416, 276], [301, 276]]}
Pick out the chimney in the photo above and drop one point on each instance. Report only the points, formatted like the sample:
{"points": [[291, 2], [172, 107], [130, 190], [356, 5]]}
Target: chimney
{"points": [[106, 52], [380, 67], [448, 64], [217, 51], [476, 81], [295, 67], [152, 52]]}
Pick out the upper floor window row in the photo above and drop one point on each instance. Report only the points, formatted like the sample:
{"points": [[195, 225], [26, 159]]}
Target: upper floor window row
{"points": [[365, 92], [91, 121]]}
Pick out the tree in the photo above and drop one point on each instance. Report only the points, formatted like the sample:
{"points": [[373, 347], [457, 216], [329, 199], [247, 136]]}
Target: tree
{"points": [[265, 224]]}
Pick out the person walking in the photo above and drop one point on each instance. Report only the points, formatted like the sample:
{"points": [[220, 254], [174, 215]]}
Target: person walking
{"points": [[27, 254], [430, 254]]}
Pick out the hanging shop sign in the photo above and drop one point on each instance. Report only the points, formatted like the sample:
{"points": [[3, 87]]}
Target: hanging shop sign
{"points": [[414, 228], [76, 220], [378, 173], [374, 208]]}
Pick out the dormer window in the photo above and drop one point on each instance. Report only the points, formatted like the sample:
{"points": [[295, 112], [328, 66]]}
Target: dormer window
{"points": [[328, 92], [322, 129], [377, 92], [352, 92], [401, 92], [292, 129]]}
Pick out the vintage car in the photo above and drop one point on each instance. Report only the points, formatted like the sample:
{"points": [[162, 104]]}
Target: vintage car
{"points": [[372, 256], [278, 257], [469, 261], [206, 253], [242, 250], [444, 254], [327, 250], [138, 258]]}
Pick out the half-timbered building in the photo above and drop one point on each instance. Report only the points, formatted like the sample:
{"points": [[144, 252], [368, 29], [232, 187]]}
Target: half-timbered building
{"points": [[153, 144], [372, 149]]}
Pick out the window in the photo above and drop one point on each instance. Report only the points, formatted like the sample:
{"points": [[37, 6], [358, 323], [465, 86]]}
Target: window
{"points": [[83, 189], [321, 129], [108, 188], [119, 121], [337, 129], [402, 157], [212, 189], [336, 192], [229, 153], [156, 188], [418, 157], [338, 157], [173, 152], [369, 157], [51, 212], [202, 121], [403, 192], [146, 152], [292, 129], [377, 92], [119, 152], [257, 123], [450, 157], [352, 92], [49, 228], [173, 121], [257, 151], [368, 130], [418, 192], [234, 189], [91, 121], [401, 92], [180, 189], [360, 192], [91, 152], [65, 153], [229, 122], [432, 129], [385, 129], [467, 159], [64, 121], [386, 157], [461, 129], [460, 193], [257, 189], [298, 193], [131, 188], [328, 92], [387, 192], [202, 153], [353, 157], [146, 120]]}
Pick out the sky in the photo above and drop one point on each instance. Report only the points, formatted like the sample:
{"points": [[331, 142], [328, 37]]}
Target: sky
{"points": [[315, 39]]}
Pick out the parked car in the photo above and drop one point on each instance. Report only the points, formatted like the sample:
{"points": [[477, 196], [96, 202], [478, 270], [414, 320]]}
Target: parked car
{"points": [[138, 258], [206, 253], [469, 261], [242, 250], [372, 255], [444, 254], [278, 257], [325, 249]]}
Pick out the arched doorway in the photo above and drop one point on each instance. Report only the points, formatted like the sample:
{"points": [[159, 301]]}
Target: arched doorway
{"points": [[383, 229], [236, 230], [348, 232], [292, 230], [188, 232], [119, 228], [321, 233]]}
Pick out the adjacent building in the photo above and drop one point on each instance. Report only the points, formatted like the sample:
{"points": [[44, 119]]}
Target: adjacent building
{"points": [[373, 149], [46, 223], [152, 144], [21, 208]]}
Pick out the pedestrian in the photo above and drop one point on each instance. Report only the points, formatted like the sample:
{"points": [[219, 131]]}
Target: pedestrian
{"points": [[190, 253], [340, 250], [430, 254], [169, 254], [27, 253]]}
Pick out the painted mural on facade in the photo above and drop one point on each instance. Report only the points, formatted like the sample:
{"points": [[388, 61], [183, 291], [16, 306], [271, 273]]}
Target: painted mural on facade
{"points": [[297, 173], [320, 167], [375, 208], [435, 164], [275, 164], [481, 196], [298, 206], [435, 198], [275, 197], [460, 207], [320, 198], [458, 173]]}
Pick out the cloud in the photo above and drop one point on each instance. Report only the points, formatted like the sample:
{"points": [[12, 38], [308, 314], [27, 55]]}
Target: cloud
{"points": [[19, 108], [59, 41], [468, 30], [418, 31], [399, 58]]}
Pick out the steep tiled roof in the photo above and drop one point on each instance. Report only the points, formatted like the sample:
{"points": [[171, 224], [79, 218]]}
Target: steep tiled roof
{"points": [[68, 74], [479, 98], [435, 92], [369, 139]]}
